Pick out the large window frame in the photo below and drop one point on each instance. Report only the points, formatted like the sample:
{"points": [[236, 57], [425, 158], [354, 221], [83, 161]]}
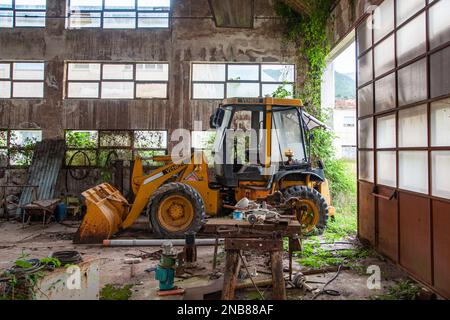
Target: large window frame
{"points": [[16, 13], [138, 14], [227, 81], [12, 80], [101, 80], [9, 148]]}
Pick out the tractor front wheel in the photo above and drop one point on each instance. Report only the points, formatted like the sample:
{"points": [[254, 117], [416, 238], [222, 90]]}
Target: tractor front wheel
{"points": [[314, 208], [174, 209]]}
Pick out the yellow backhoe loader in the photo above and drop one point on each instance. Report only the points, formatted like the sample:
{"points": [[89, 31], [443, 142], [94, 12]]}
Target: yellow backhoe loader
{"points": [[260, 150]]}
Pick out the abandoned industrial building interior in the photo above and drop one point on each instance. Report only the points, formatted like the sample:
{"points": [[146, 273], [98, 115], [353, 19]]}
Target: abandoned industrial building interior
{"points": [[224, 150]]}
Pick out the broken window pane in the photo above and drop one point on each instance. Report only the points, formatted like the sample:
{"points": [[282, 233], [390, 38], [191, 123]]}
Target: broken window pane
{"points": [[115, 138], [237, 72], [243, 90], [415, 162], [153, 20], [107, 157], [25, 138], [83, 90], [150, 139], [5, 89], [28, 89], [208, 72], [146, 156], [271, 89], [117, 90], [208, 90], [20, 157], [28, 71], [152, 72], [151, 90], [203, 139], [84, 71], [81, 139], [81, 158], [277, 73], [118, 71], [119, 20]]}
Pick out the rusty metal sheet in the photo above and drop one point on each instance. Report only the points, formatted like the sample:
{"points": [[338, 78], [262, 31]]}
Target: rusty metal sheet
{"points": [[366, 212], [387, 218], [254, 245], [415, 235], [441, 247]]}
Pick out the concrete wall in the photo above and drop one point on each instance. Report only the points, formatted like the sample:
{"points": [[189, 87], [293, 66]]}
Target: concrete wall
{"points": [[185, 41]]}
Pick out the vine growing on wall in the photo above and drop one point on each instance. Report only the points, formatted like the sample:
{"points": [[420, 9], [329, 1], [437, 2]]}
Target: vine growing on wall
{"points": [[309, 34]]}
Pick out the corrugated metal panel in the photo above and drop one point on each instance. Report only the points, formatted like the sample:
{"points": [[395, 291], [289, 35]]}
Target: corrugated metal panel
{"points": [[44, 170]]}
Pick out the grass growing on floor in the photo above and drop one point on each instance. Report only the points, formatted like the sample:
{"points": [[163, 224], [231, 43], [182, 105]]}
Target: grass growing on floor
{"points": [[116, 292], [405, 290]]}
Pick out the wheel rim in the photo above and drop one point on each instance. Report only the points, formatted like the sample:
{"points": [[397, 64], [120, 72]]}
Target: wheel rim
{"points": [[308, 216], [175, 213]]}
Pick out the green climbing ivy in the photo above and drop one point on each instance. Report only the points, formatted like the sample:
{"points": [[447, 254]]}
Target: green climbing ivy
{"points": [[309, 34]]}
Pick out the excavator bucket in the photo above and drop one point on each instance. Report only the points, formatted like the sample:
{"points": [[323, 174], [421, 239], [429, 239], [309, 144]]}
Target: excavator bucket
{"points": [[106, 210]]}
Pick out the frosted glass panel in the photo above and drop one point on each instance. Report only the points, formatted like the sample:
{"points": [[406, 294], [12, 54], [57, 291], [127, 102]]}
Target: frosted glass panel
{"points": [[84, 71], [117, 90], [366, 133], [440, 73], [151, 90], [413, 171], [366, 166], [28, 90], [237, 72], [383, 19], [412, 83], [406, 9], [118, 71], [5, 89], [83, 90], [244, 90], [208, 91], [365, 72], [386, 132], [387, 168], [385, 56], [364, 36], [208, 72], [441, 174], [413, 127], [439, 23], [365, 101], [411, 39], [385, 93], [440, 123]]}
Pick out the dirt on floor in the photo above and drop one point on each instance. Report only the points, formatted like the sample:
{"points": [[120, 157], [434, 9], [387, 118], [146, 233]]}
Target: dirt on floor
{"points": [[201, 281]]}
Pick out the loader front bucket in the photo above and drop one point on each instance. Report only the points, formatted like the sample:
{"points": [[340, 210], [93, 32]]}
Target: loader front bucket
{"points": [[106, 210]]}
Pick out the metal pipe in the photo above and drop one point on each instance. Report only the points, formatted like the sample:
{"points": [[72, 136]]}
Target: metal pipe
{"points": [[156, 242]]}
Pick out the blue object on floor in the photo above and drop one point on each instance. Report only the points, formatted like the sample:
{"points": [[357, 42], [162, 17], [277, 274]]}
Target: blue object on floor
{"points": [[60, 212]]}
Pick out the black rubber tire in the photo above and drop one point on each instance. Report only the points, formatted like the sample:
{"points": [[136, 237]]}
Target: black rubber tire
{"points": [[304, 192], [168, 190]]}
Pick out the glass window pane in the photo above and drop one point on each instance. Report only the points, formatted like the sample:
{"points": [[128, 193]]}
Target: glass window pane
{"points": [[208, 91], [119, 20], [277, 73], [412, 83], [413, 126], [20, 157], [28, 90], [83, 90], [120, 4], [366, 166], [85, 20], [241, 72], [86, 5], [385, 93], [118, 71], [3, 158], [81, 139], [385, 56], [441, 173], [365, 136], [30, 19], [5, 89], [411, 40], [271, 89], [383, 19], [150, 139], [5, 4], [151, 90], [438, 23], [208, 72], [115, 138], [365, 72], [107, 157], [365, 101], [153, 4], [75, 158], [28, 71], [117, 90], [440, 123], [243, 90], [386, 132], [25, 138], [3, 138], [406, 9], [6, 19], [152, 72], [84, 71], [153, 20], [440, 73], [5, 70], [413, 171], [31, 4], [387, 168], [364, 36]]}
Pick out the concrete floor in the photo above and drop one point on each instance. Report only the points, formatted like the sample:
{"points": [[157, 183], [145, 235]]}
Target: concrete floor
{"points": [[40, 241]]}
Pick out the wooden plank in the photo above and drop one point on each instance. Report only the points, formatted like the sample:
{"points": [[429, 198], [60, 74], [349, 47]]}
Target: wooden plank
{"points": [[232, 267]]}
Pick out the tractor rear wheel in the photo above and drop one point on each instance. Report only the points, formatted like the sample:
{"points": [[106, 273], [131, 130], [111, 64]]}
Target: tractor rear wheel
{"points": [[315, 213], [174, 209]]}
